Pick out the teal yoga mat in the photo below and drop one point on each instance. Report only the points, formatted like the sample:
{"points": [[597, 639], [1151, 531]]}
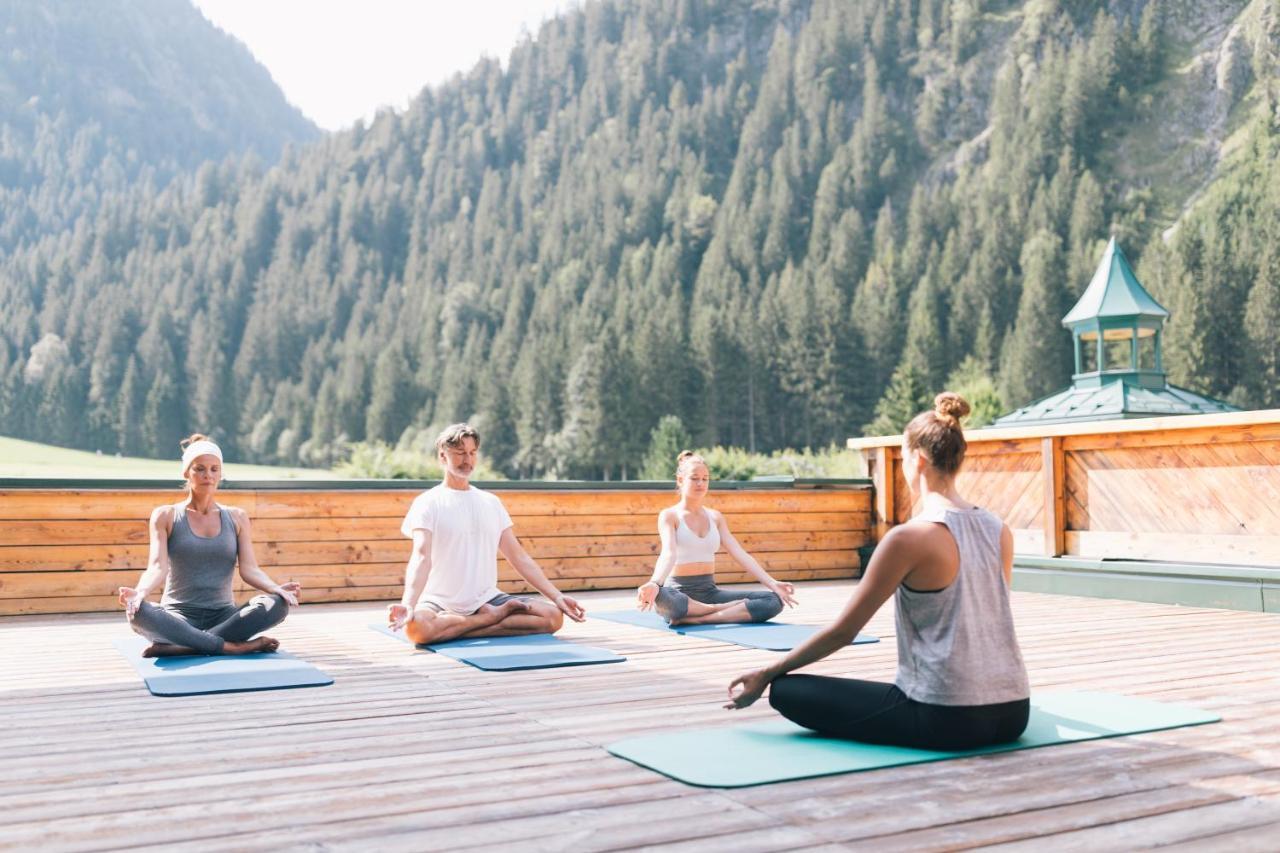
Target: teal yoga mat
{"points": [[189, 675], [775, 636], [529, 651], [779, 751]]}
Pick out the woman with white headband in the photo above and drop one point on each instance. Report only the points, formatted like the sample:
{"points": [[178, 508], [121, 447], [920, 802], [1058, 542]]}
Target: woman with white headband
{"points": [[195, 547]]}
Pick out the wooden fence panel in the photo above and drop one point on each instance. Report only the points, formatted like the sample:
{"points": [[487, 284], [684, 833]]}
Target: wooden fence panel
{"points": [[67, 550], [1005, 478], [1202, 489]]}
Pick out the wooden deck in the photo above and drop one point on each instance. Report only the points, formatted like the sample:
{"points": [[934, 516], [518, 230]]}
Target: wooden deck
{"points": [[411, 751]]}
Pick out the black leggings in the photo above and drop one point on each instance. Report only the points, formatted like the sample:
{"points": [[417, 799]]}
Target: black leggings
{"points": [[874, 712]]}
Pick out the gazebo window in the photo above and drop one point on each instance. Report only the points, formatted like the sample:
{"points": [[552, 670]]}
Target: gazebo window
{"points": [[1088, 357], [1119, 355], [1147, 350]]}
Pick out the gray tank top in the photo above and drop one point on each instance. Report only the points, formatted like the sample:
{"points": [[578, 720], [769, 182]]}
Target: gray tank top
{"points": [[956, 646], [201, 568]]}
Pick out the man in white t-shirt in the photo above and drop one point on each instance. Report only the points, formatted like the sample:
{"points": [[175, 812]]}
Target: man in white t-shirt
{"points": [[450, 588]]}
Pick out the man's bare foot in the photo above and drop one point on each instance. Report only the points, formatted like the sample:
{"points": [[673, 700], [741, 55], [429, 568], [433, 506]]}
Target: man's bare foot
{"points": [[495, 613], [167, 650], [511, 607], [257, 644]]}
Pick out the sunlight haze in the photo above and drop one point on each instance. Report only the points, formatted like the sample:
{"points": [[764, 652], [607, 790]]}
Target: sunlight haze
{"points": [[341, 61]]}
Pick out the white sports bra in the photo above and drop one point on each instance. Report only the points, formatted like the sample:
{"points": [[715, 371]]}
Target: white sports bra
{"points": [[692, 548]]}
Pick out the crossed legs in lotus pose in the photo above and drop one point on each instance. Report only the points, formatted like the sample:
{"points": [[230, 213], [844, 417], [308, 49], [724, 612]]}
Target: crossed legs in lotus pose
{"points": [[507, 618]]}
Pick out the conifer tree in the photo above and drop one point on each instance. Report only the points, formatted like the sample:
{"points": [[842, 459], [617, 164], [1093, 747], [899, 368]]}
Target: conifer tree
{"points": [[1262, 329], [163, 416], [1086, 233], [578, 448], [926, 347], [129, 409], [667, 440], [906, 396], [971, 381], [388, 412], [1035, 360]]}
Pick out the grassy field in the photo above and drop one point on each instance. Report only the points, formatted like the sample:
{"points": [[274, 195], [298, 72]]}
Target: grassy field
{"points": [[30, 459]]}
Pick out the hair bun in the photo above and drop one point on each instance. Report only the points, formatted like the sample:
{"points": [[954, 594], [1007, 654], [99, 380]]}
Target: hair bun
{"points": [[684, 454], [951, 405], [192, 439]]}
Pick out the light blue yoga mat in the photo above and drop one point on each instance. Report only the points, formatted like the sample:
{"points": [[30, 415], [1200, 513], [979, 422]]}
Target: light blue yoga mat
{"points": [[528, 651], [775, 636], [779, 751], [188, 675]]}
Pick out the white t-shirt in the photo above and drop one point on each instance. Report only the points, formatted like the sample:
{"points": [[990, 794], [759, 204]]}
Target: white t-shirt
{"points": [[465, 526]]}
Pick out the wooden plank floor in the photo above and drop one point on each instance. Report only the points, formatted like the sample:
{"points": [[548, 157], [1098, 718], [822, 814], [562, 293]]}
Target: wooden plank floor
{"points": [[411, 751]]}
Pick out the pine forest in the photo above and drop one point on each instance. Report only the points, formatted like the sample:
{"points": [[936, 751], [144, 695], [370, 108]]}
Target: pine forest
{"points": [[782, 223]]}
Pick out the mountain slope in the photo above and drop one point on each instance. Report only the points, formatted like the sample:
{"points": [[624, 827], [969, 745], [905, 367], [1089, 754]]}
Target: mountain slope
{"points": [[764, 218], [96, 97]]}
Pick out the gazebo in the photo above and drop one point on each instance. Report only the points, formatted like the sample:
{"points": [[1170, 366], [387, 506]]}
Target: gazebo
{"points": [[1113, 380]]}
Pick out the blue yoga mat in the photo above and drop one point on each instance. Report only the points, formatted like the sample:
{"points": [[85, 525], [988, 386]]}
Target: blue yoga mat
{"points": [[188, 675], [775, 636], [500, 654], [778, 751]]}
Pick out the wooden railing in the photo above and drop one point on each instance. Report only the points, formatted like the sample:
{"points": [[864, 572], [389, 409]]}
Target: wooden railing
{"points": [[1199, 488], [66, 546]]}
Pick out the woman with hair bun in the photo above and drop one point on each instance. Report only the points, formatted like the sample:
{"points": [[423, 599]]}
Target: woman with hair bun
{"points": [[195, 547], [961, 682], [691, 535]]}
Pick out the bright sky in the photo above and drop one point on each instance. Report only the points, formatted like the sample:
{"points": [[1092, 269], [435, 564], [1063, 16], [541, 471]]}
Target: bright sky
{"points": [[340, 60]]}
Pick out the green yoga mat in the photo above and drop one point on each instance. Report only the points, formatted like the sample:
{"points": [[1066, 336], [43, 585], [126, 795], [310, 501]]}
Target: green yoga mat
{"points": [[778, 751]]}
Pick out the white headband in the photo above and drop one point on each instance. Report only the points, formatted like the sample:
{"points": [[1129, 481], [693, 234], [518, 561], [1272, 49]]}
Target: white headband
{"points": [[199, 448]]}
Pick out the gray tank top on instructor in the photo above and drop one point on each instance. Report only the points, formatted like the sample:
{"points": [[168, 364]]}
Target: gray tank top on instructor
{"points": [[201, 568], [957, 646]]}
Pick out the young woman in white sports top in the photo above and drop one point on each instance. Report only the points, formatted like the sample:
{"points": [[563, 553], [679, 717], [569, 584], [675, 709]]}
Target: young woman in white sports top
{"points": [[691, 535]]}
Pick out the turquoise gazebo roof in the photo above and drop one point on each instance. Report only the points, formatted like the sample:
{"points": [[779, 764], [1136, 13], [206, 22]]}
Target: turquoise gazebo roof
{"points": [[1113, 401], [1114, 293]]}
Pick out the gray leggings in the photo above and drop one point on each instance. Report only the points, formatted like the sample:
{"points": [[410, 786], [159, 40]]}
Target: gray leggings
{"points": [[206, 629], [672, 602]]}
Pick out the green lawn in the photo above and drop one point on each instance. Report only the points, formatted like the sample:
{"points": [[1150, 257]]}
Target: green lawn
{"points": [[30, 459]]}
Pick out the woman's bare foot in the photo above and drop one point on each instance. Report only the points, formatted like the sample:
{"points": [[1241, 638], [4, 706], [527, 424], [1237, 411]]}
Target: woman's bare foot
{"points": [[717, 614], [698, 611], [257, 644], [167, 650]]}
